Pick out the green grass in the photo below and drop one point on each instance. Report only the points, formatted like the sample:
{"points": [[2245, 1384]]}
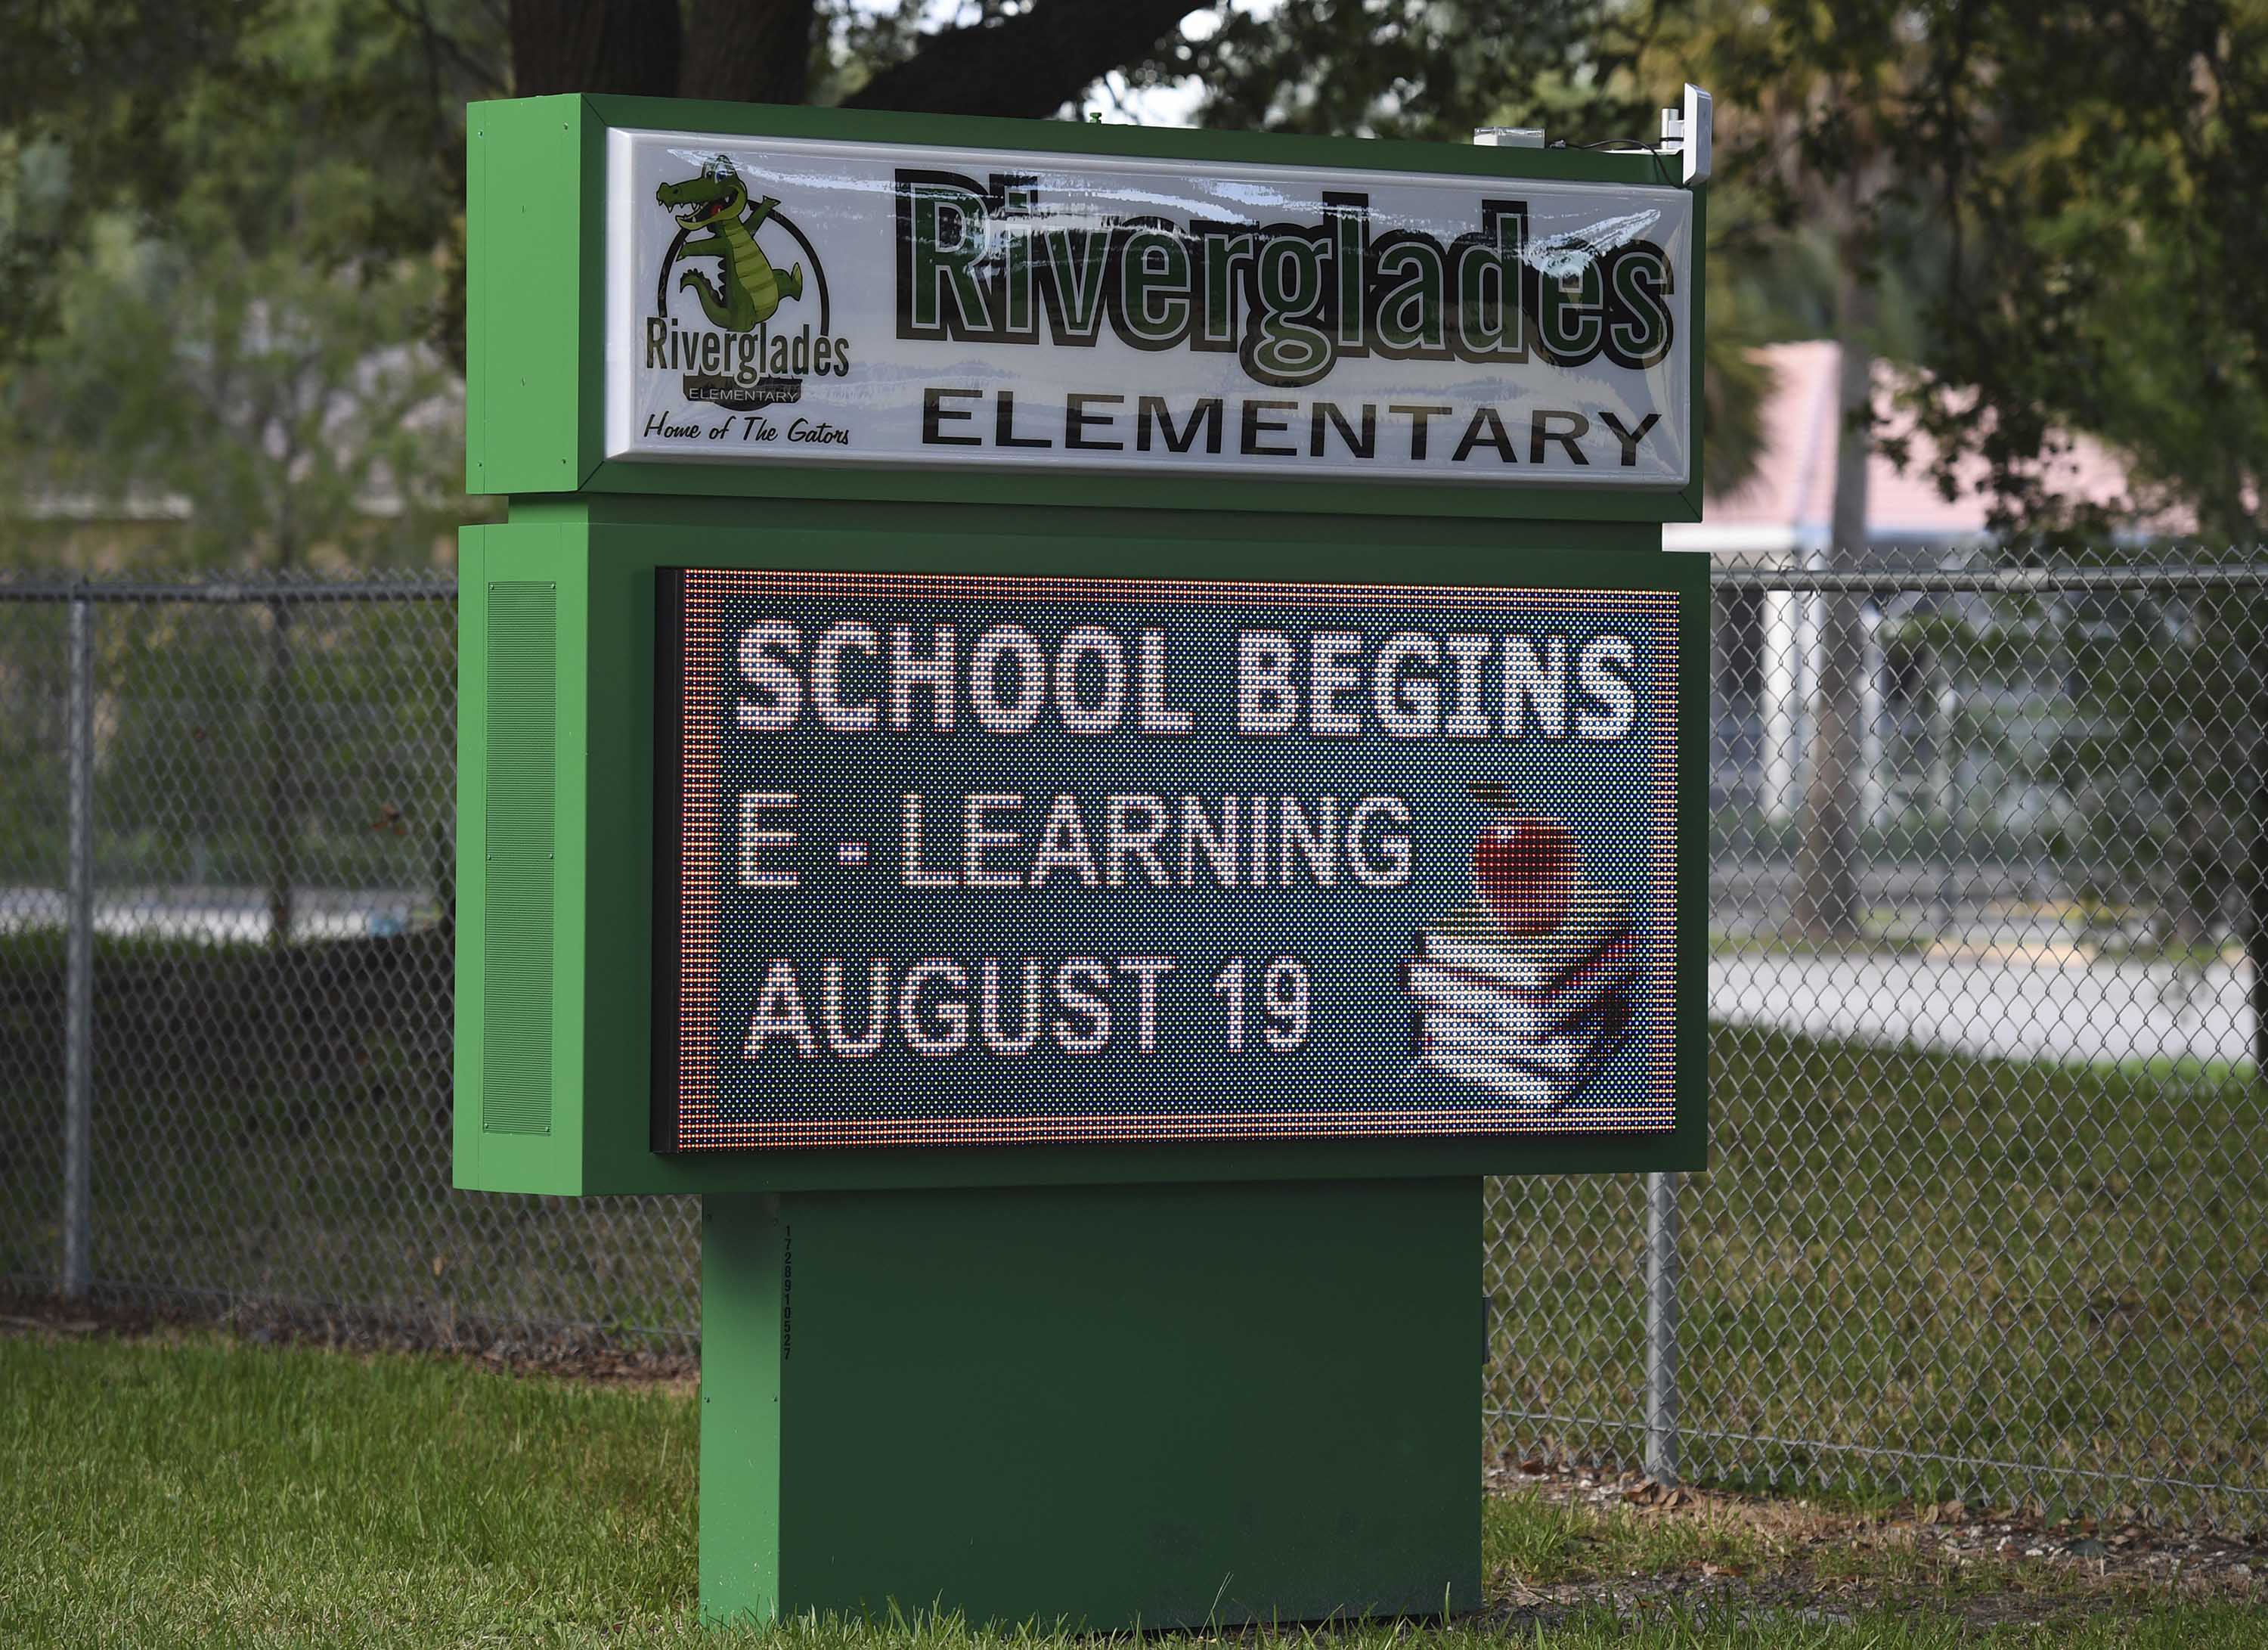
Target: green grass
{"points": [[1994, 1259], [1883, 931], [205, 1492], [274, 1124]]}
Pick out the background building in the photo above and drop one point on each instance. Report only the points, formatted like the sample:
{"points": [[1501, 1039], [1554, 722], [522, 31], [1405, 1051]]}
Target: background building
{"points": [[1767, 644]]}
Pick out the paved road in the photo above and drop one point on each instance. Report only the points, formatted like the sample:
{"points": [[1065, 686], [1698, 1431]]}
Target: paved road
{"points": [[2055, 1006], [220, 915]]}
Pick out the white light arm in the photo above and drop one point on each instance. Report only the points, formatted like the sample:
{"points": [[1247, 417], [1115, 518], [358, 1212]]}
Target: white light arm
{"points": [[1688, 133]]}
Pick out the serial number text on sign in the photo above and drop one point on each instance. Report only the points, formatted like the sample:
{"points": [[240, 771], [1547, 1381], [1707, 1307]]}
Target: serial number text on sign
{"points": [[790, 300], [961, 859]]}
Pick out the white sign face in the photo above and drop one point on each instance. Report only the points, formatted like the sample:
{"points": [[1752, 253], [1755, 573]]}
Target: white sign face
{"points": [[791, 301]]}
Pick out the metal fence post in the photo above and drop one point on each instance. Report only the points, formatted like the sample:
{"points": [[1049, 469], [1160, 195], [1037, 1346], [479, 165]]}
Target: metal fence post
{"points": [[1662, 1273], [78, 1014]]}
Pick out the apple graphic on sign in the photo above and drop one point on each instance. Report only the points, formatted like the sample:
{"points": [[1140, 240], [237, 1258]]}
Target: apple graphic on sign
{"points": [[1523, 865]]}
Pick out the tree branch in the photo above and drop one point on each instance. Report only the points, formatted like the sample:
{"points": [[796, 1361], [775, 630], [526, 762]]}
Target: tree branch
{"points": [[440, 43], [1030, 64]]}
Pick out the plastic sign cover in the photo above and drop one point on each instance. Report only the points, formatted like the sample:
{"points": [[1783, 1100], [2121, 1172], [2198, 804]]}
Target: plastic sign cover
{"points": [[792, 301], [955, 859]]}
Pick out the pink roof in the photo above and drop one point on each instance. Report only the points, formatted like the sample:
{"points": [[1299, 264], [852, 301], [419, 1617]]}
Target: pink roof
{"points": [[1790, 498]]}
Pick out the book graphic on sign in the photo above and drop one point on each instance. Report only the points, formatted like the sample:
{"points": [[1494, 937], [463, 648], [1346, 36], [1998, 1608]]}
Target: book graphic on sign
{"points": [[1528, 992]]}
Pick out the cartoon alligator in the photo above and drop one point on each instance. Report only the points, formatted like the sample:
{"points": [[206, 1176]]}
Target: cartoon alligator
{"points": [[749, 290]]}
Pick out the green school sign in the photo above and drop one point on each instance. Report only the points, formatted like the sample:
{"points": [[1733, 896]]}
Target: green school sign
{"points": [[1080, 728]]}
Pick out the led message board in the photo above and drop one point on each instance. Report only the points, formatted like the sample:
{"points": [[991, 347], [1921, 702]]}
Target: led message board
{"points": [[957, 859], [780, 300]]}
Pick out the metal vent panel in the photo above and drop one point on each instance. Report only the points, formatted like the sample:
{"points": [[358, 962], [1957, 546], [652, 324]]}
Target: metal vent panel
{"points": [[522, 774]]}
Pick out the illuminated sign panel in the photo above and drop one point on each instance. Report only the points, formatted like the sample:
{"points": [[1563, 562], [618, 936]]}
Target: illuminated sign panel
{"points": [[950, 860], [793, 301]]}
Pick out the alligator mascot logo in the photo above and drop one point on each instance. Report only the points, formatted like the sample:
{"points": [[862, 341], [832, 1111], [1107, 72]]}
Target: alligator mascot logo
{"points": [[752, 364]]}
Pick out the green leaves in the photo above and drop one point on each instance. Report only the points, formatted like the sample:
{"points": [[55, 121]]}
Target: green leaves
{"points": [[281, 408], [225, 240]]}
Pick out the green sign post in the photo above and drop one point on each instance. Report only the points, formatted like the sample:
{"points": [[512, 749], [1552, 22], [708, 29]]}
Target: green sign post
{"points": [[1080, 728]]}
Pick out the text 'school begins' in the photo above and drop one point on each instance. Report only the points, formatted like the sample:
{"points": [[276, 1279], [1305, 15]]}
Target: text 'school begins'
{"points": [[857, 677]]}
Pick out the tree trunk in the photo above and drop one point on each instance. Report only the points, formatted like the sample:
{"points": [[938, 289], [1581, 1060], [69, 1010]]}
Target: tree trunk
{"points": [[742, 51], [1826, 902], [632, 46], [1028, 63], [280, 827]]}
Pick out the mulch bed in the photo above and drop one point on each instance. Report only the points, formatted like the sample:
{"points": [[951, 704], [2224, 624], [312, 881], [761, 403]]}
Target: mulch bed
{"points": [[1987, 1566], [564, 1354]]}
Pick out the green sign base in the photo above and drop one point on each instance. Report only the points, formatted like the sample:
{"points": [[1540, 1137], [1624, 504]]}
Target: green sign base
{"points": [[1100, 1406]]}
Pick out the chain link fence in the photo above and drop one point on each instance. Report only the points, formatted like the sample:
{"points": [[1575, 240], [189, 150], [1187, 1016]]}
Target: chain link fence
{"points": [[1987, 1216], [267, 883]]}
